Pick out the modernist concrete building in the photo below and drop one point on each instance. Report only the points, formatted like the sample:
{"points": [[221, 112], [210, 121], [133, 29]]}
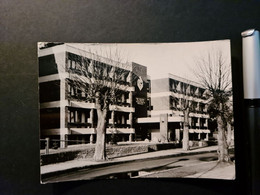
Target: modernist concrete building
{"points": [[166, 120], [148, 109], [64, 112]]}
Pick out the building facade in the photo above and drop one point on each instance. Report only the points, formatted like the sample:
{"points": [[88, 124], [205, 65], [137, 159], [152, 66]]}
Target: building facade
{"points": [[146, 109], [65, 113], [167, 116]]}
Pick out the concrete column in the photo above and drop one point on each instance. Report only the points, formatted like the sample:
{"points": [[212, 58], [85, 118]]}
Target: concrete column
{"points": [[91, 117], [207, 136], [113, 117], [206, 123], [60, 60], [181, 125], [64, 139], [83, 117], [63, 114], [91, 139], [199, 122], [123, 119], [63, 125], [131, 98], [71, 117], [130, 137], [190, 121], [131, 119], [76, 116], [199, 136], [164, 127], [123, 98], [47, 145], [177, 135]]}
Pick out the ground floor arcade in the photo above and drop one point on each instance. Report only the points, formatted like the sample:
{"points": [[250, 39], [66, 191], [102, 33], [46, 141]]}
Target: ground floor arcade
{"points": [[165, 128]]}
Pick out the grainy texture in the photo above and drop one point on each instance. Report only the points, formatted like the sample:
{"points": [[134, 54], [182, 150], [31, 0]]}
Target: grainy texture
{"points": [[24, 22]]}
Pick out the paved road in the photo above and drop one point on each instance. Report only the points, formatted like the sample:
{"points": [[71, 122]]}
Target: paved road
{"points": [[141, 168]]}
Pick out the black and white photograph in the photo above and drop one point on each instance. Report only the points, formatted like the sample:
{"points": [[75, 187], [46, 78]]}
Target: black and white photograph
{"points": [[130, 97], [135, 110]]}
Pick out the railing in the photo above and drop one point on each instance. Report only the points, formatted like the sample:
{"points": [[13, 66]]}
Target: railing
{"points": [[56, 141]]}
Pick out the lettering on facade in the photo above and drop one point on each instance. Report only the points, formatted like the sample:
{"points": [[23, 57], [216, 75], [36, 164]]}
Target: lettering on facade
{"points": [[140, 101]]}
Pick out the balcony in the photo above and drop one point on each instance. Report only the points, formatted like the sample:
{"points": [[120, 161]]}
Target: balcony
{"points": [[120, 130], [121, 108], [83, 130]]}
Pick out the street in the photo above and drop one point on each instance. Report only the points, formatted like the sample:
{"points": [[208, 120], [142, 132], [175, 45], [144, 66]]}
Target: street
{"points": [[181, 166]]}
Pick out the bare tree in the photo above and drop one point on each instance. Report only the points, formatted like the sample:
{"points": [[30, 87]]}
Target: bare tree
{"points": [[102, 81], [214, 73], [183, 100]]}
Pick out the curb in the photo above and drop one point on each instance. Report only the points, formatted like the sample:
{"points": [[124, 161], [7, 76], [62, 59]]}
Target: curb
{"points": [[45, 176]]}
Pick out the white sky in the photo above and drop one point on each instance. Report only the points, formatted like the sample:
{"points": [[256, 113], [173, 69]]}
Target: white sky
{"points": [[164, 58]]}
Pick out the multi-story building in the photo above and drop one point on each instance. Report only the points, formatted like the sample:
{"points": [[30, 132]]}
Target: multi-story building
{"points": [[166, 120], [67, 116]]}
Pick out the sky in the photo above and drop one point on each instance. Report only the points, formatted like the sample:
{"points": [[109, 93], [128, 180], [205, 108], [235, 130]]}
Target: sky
{"points": [[163, 58]]}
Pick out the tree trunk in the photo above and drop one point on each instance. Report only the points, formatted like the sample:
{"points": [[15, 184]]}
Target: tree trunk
{"points": [[185, 141], [223, 155], [229, 135], [100, 148]]}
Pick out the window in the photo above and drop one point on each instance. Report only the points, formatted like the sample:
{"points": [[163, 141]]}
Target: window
{"points": [[73, 65]]}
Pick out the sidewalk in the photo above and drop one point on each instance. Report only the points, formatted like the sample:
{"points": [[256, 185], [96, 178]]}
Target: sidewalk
{"points": [[85, 163], [219, 172], [205, 170]]}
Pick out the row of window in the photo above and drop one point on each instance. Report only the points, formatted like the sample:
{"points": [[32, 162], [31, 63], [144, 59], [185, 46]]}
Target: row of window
{"points": [[201, 123], [77, 116], [85, 117], [79, 94], [123, 76], [184, 88], [195, 106]]}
